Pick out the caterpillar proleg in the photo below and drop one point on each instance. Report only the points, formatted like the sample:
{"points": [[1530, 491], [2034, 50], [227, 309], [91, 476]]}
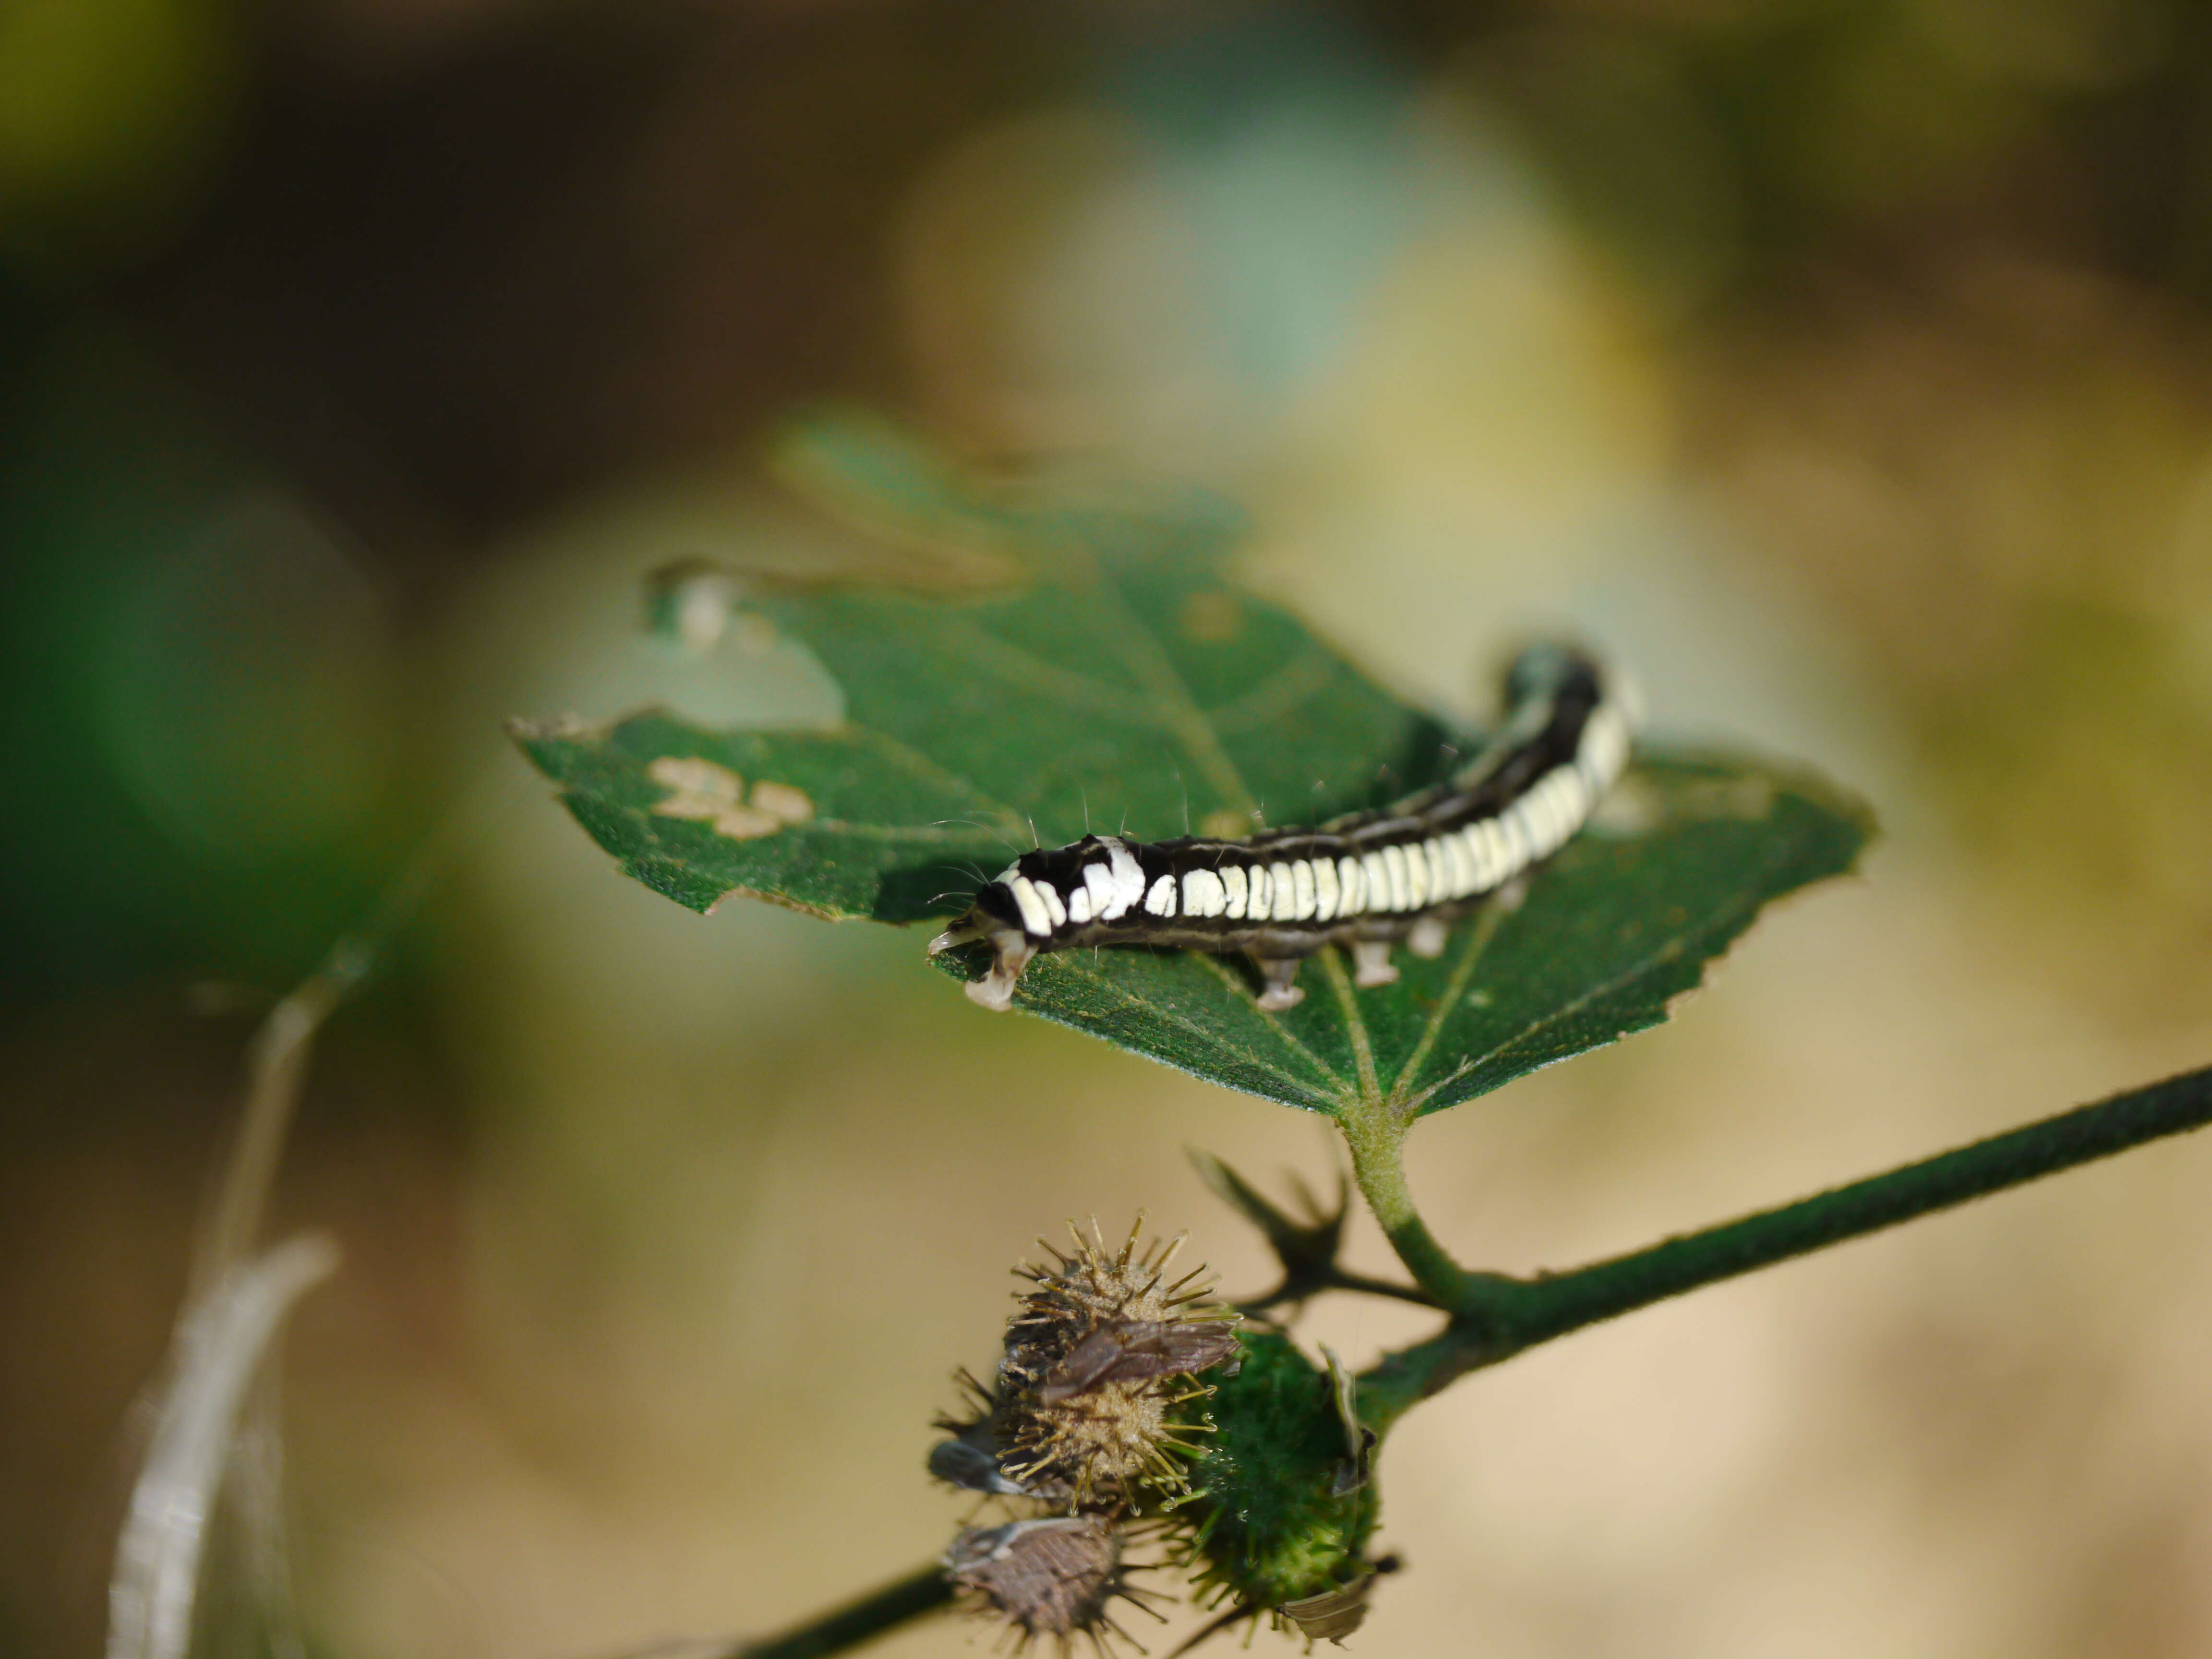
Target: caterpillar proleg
{"points": [[1367, 880]]}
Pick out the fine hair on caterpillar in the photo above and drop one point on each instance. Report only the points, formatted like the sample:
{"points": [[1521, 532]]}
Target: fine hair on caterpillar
{"points": [[1365, 880]]}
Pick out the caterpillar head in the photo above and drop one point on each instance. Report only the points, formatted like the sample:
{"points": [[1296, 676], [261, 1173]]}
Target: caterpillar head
{"points": [[995, 917]]}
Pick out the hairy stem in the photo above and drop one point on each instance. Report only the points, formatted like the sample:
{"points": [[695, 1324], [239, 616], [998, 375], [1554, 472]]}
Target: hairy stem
{"points": [[1377, 1136], [872, 1615], [1363, 1286], [1497, 1317], [1519, 1314]]}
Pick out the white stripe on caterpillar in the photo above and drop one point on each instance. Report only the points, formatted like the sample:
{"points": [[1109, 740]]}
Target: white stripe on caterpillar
{"points": [[1365, 880], [1327, 890], [1161, 901]]}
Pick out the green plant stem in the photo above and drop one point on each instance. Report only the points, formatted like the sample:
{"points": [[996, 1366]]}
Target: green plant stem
{"points": [[1377, 1136], [1334, 1279], [1498, 1317], [1363, 1286], [872, 1615], [1516, 1314]]}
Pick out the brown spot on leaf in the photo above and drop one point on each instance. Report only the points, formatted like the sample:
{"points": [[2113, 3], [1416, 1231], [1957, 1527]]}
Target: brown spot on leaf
{"points": [[783, 802], [696, 788], [746, 824]]}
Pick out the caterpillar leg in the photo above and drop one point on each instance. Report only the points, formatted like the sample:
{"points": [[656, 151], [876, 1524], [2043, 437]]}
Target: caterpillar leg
{"points": [[953, 937], [1011, 951], [1428, 938], [1281, 990], [1372, 964]]}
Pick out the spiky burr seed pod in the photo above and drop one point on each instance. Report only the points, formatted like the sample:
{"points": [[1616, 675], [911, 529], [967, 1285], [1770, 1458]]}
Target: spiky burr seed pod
{"points": [[1272, 1525], [1050, 1577], [1101, 1361]]}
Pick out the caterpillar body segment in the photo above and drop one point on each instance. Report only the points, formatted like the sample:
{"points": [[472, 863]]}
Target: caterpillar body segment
{"points": [[1365, 880]]}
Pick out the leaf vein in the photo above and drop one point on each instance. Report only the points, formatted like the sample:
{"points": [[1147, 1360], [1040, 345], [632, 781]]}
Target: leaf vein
{"points": [[921, 766], [1478, 941], [1211, 1039], [1294, 684], [1141, 653], [1673, 943], [1355, 1025], [1220, 970], [1012, 663]]}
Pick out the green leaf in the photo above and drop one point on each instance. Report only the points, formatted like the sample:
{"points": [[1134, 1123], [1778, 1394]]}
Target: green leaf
{"points": [[1125, 684]]}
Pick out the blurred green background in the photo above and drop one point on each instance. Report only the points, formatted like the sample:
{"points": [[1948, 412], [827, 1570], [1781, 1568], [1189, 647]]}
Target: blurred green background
{"points": [[1845, 364]]}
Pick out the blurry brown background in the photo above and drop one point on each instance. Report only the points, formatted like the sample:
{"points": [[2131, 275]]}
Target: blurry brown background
{"points": [[1846, 364]]}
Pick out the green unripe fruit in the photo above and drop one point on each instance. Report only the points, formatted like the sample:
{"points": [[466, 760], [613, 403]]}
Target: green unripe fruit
{"points": [[1270, 1524]]}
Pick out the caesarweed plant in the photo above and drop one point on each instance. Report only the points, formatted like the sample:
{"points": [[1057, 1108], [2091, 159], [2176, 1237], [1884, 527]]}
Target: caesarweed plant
{"points": [[1125, 1407], [1091, 1418], [1129, 1409], [1282, 1509]]}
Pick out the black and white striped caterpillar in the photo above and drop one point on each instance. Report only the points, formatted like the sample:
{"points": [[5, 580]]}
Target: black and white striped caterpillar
{"points": [[1367, 879]]}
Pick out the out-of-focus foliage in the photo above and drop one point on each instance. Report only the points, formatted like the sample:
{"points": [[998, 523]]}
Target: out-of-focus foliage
{"points": [[1843, 363], [113, 113]]}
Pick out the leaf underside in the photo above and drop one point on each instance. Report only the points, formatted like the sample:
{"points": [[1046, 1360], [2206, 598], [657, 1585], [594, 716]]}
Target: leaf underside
{"points": [[1126, 686]]}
